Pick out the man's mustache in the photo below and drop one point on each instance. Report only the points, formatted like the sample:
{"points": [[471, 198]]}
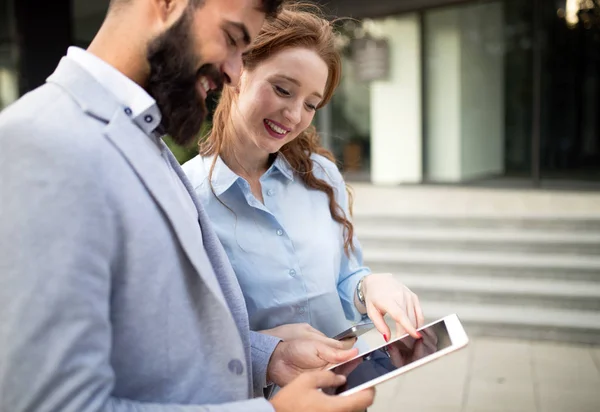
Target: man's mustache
{"points": [[211, 72]]}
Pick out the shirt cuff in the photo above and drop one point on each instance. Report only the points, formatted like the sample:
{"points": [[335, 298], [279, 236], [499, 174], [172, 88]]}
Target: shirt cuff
{"points": [[351, 311]]}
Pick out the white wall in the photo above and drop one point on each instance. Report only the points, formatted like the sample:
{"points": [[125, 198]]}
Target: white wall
{"points": [[482, 96], [465, 92], [443, 64], [396, 132], [9, 88]]}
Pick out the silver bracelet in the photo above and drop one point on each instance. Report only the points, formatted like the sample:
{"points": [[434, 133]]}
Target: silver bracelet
{"points": [[359, 292]]}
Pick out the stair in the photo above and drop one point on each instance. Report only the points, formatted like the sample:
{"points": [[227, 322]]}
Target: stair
{"points": [[486, 239], [520, 277]]}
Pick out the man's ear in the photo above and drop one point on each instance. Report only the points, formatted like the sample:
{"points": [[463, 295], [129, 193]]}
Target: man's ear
{"points": [[168, 11]]}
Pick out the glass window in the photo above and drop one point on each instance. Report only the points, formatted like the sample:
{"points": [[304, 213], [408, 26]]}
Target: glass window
{"points": [[478, 91], [349, 112], [570, 95]]}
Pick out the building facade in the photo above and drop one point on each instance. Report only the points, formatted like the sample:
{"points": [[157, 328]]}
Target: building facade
{"points": [[498, 92], [434, 91]]}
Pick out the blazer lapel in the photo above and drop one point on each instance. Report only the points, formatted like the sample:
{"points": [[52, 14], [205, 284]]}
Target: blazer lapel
{"points": [[218, 258], [126, 136]]}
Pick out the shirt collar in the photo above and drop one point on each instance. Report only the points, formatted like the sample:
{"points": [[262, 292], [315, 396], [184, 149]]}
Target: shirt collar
{"points": [[137, 103], [282, 164], [223, 177]]}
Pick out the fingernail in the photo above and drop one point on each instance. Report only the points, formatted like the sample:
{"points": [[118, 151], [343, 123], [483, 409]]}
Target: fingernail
{"points": [[419, 335], [385, 338]]}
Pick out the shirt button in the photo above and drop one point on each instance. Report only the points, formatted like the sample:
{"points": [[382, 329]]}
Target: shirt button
{"points": [[270, 192], [128, 111], [279, 232], [292, 273], [148, 118], [236, 366]]}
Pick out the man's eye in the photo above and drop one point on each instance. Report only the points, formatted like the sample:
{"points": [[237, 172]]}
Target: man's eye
{"points": [[231, 40], [282, 91]]}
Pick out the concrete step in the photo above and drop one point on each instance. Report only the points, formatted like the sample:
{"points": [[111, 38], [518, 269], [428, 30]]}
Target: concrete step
{"points": [[477, 239], [534, 323], [523, 222], [547, 293], [496, 265]]}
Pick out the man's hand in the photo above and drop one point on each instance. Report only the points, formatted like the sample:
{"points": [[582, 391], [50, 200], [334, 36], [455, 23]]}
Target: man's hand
{"points": [[303, 394], [292, 358], [305, 331]]}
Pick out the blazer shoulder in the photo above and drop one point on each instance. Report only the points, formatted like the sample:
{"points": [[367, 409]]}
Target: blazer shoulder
{"points": [[48, 132], [47, 112]]}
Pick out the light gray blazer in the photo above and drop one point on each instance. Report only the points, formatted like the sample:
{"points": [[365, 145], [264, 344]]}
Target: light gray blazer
{"points": [[104, 305]]}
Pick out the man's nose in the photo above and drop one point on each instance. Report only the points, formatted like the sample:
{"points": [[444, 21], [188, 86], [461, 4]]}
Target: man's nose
{"points": [[232, 69]]}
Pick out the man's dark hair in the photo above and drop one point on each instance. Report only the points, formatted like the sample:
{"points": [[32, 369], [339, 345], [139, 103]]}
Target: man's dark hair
{"points": [[272, 7], [269, 7]]}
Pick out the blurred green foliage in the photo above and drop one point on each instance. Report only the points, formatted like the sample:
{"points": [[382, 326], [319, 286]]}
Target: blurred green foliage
{"points": [[185, 153]]}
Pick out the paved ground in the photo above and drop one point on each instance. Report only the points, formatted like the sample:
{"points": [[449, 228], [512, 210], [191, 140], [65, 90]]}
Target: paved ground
{"points": [[491, 374], [497, 375], [471, 201]]}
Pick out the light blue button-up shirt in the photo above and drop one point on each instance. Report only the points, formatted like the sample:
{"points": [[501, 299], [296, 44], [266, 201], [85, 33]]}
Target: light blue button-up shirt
{"points": [[288, 253]]}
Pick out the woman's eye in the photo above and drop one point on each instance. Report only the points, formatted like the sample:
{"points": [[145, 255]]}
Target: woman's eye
{"points": [[311, 107], [282, 91]]}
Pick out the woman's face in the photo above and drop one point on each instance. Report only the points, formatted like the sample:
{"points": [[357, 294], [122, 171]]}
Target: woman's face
{"points": [[278, 99]]}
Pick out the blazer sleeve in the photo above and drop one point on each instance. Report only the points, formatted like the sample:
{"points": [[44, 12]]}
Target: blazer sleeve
{"points": [[58, 240], [263, 347]]}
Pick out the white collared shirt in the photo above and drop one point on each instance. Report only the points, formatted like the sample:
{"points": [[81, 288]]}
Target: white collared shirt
{"points": [[138, 104]]}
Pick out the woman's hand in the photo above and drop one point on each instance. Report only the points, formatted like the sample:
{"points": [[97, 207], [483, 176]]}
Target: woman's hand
{"points": [[384, 294], [305, 331]]}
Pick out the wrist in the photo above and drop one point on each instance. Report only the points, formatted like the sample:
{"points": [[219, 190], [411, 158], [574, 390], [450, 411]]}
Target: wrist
{"points": [[364, 286], [360, 294], [275, 404], [273, 366], [360, 297]]}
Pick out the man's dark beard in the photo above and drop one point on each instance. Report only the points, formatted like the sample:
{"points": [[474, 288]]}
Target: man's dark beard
{"points": [[173, 81]]}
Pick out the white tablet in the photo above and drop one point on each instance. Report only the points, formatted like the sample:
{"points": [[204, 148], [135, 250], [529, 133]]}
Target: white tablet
{"points": [[400, 355]]}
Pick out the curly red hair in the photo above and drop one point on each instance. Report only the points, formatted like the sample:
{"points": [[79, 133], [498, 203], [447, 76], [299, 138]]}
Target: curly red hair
{"points": [[297, 25]]}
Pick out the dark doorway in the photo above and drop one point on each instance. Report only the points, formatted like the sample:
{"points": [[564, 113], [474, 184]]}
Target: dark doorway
{"points": [[570, 92]]}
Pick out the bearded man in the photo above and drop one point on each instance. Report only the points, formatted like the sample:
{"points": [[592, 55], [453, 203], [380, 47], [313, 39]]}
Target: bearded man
{"points": [[115, 293]]}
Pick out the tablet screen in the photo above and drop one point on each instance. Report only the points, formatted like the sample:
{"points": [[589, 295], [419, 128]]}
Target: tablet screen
{"points": [[391, 357]]}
